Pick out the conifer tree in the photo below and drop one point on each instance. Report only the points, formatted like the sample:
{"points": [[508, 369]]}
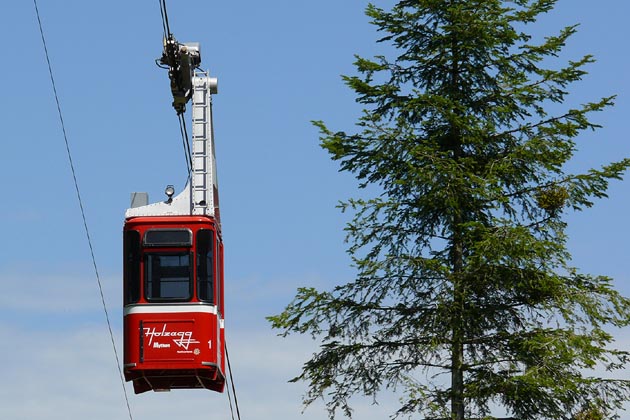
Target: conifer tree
{"points": [[465, 300]]}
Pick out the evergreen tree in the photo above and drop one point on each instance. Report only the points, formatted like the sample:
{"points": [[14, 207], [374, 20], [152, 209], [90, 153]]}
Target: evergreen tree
{"points": [[464, 296]]}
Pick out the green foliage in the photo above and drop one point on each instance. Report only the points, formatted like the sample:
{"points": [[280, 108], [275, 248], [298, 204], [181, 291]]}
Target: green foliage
{"points": [[590, 413], [464, 298]]}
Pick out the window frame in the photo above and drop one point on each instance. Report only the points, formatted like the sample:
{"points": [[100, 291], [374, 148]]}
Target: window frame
{"points": [[132, 277], [145, 275], [146, 243], [205, 246]]}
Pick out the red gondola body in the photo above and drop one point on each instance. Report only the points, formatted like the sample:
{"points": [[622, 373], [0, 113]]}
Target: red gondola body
{"points": [[173, 295]]}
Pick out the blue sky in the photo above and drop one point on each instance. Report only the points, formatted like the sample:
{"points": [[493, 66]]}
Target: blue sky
{"points": [[278, 65]]}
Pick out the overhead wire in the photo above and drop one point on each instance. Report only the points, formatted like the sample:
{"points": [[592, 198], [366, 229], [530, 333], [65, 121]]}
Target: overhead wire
{"points": [[78, 193], [230, 402], [227, 357], [165, 26], [182, 122], [185, 143]]}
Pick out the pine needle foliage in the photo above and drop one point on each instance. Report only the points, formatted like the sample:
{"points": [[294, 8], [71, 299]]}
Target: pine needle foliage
{"points": [[465, 301]]}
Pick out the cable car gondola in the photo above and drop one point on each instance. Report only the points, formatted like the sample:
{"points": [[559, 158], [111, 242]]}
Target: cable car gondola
{"points": [[173, 296], [173, 271]]}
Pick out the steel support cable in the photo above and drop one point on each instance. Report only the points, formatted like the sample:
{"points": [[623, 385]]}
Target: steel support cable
{"points": [[185, 143], [227, 357], [85, 225], [182, 122], [165, 26], [230, 402]]}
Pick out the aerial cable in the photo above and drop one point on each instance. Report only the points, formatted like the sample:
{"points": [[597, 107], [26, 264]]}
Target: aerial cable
{"points": [[165, 26], [76, 186], [185, 143], [230, 401], [227, 357]]}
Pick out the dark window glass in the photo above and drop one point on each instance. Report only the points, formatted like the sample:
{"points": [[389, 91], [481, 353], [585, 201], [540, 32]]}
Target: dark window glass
{"points": [[168, 237], [167, 276], [205, 265], [131, 273]]}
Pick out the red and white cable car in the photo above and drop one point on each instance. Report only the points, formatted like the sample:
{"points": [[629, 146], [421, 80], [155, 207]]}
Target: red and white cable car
{"points": [[173, 272], [173, 313]]}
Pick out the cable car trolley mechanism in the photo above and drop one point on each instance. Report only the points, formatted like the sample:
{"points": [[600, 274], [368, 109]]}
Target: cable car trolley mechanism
{"points": [[173, 257]]}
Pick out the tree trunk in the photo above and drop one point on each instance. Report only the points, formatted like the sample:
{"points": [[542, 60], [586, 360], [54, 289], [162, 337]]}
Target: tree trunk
{"points": [[457, 349]]}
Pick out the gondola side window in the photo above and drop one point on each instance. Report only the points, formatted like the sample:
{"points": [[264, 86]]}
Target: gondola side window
{"points": [[167, 276], [168, 237], [131, 274], [205, 265]]}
